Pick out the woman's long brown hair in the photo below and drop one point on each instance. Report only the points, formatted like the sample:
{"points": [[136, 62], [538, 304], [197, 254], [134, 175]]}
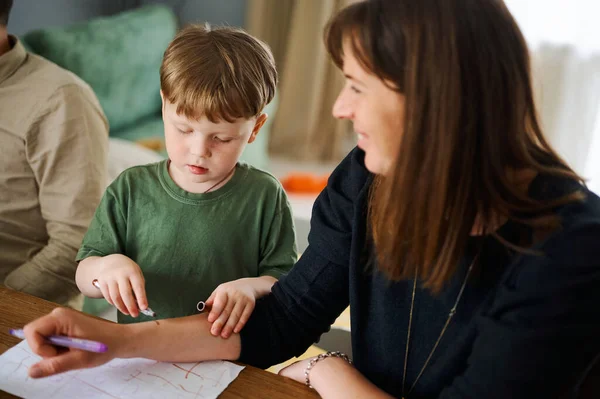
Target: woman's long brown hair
{"points": [[470, 118]]}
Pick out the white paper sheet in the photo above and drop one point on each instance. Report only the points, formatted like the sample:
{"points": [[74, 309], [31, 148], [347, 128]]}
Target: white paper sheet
{"points": [[120, 378]]}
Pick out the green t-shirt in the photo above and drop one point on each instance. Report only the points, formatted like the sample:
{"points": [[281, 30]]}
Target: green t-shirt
{"points": [[187, 244]]}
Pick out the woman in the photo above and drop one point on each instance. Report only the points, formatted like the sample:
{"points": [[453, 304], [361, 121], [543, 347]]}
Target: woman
{"points": [[466, 248]]}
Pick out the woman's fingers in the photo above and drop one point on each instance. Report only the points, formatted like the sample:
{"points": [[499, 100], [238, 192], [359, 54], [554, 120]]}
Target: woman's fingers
{"points": [[37, 331], [68, 360]]}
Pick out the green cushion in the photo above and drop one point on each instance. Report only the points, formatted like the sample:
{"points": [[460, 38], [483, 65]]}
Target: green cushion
{"points": [[148, 128], [25, 45], [95, 306], [118, 56]]}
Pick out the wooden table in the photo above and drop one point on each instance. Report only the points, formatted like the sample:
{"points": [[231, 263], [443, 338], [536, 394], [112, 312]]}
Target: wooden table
{"points": [[17, 309]]}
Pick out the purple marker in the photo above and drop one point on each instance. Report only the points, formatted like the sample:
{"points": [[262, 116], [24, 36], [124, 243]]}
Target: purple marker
{"points": [[68, 342]]}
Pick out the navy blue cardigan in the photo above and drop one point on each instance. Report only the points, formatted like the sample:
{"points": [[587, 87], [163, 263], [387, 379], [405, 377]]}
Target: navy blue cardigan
{"points": [[526, 327]]}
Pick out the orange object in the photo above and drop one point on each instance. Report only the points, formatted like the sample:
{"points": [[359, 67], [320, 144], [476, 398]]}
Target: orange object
{"points": [[304, 183], [152, 144]]}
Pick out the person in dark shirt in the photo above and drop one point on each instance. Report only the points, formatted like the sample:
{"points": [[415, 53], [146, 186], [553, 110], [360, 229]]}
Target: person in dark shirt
{"points": [[467, 249]]}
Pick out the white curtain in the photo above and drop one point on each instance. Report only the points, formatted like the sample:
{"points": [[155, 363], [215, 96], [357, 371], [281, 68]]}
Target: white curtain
{"points": [[564, 39]]}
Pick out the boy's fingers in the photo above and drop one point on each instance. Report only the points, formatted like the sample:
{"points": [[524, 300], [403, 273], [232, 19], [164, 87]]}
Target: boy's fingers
{"points": [[210, 299], [138, 284], [128, 299], [113, 289], [236, 313], [222, 320], [220, 301], [244, 318], [106, 293]]}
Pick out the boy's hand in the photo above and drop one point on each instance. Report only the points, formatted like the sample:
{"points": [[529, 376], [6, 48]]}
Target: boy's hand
{"points": [[119, 279], [232, 304]]}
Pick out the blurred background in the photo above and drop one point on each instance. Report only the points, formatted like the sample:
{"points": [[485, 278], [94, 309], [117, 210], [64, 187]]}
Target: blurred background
{"points": [[117, 45]]}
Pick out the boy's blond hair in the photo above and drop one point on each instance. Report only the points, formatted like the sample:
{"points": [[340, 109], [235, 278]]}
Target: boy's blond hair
{"points": [[222, 73]]}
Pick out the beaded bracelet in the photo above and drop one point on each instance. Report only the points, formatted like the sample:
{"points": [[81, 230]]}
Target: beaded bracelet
{"points": [[322, 356]]}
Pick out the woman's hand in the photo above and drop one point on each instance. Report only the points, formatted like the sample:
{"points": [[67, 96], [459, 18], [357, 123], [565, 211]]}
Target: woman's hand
{"points": [[333, 378], [295, 371], [122, 284], [62, 321]]}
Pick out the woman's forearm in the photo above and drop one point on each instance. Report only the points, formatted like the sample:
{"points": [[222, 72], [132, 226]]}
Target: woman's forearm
{"points": [[185, 339]]}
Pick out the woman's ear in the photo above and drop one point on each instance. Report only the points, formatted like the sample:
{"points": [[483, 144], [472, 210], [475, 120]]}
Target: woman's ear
{"points": [[260, 121]]}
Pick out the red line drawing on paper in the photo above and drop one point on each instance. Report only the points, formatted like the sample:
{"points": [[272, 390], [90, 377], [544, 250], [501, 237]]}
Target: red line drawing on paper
{"points": [[218, 381], [20, 364], [162, 378], [190, 370], [124, 378], [134, 377], [181, 386], [95, 387], [199, 390]]}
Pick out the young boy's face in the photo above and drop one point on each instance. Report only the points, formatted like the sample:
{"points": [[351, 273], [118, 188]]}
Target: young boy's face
{"points": [[203, 153]]}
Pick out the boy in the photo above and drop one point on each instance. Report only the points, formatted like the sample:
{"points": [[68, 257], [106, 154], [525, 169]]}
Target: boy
{"points": [[169, 233]]}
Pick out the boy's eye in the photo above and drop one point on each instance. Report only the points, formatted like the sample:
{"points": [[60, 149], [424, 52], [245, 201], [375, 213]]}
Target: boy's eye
{"points": [[220, 140], [354, 89], [183, 131]]}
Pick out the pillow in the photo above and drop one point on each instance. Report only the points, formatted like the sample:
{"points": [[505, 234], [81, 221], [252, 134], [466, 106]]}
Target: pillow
{"points": [[118, 56], [124, 154]]}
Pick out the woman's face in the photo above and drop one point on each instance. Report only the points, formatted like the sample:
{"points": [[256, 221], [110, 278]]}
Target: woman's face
{"points": [[376, 111]]}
